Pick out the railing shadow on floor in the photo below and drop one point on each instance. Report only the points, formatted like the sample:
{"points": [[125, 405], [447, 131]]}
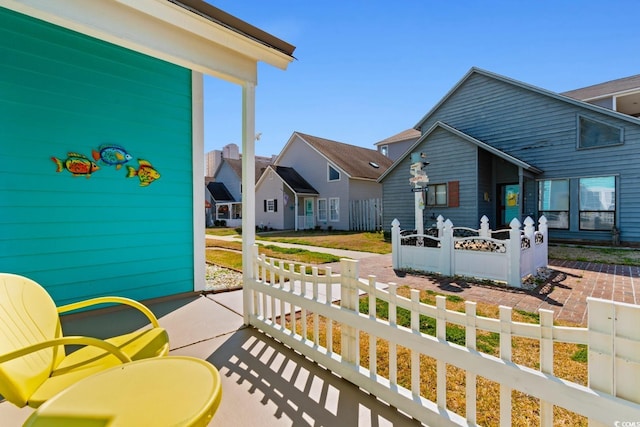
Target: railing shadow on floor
{"points": [[298, 389]]}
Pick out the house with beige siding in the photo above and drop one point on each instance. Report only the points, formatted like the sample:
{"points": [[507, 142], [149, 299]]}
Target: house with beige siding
{"points": [[320, 183]]}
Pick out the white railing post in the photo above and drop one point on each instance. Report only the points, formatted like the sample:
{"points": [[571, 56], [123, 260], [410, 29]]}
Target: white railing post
{"points": [[505, 354], [546, 362], [513, 252], [249, 295], [530, 263], [440, 225], [446, 261], [614, 340], [543, 252], [471, 378], [529, 228], [349, 272], [484, 227], [395, 244]]}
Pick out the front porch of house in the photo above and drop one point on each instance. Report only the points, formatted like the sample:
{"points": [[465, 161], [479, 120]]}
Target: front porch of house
{"points": [[264, 382]]}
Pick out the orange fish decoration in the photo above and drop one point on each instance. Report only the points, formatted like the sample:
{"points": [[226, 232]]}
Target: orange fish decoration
{"points": [[146, 173], [76, 164]]}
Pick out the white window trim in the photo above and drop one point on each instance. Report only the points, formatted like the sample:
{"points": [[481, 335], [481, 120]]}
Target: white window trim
{"points": [[271, 202], [337, 219], [326, 210], [384, 150], [329, 167]]}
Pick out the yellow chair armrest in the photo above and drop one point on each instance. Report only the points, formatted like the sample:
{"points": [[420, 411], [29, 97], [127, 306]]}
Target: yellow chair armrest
{"points": [[77, 340], [111, 300]]}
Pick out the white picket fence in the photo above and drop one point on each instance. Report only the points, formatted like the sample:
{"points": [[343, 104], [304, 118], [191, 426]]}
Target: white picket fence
{"points": [[282, 296], [479, 253]]}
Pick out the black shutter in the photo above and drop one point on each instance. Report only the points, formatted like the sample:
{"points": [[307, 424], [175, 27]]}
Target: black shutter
{"points": [[265, 205], [275, 205]]}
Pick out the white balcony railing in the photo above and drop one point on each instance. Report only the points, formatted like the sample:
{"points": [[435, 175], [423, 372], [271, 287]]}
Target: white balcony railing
{"points": [[291, 305]]}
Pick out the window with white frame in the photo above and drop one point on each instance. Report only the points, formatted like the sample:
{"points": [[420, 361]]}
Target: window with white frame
{"points": [[271, 205], [384, 150], [597, 203], [594, 133], [334, 209], [437, 195], [333, 174], [322, 209], [553, 202]]}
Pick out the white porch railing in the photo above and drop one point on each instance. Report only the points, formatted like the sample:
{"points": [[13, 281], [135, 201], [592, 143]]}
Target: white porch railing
{"points": [[283, 296], [463, 251]]}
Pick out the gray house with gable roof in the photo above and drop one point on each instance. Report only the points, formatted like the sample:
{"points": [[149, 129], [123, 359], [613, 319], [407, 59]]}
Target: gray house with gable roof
{"points": [[315, 182], [506, 149]]}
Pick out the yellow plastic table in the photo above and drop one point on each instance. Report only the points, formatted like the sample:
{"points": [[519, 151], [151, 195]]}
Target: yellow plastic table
{"points": [[165, 391]]}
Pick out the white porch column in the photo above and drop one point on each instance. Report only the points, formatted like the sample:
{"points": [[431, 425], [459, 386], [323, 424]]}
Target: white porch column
{"points": [[248, 191], [296, 212], [197, 129]]}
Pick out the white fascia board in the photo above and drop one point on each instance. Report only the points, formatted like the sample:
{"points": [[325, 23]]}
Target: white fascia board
{"points": [[148, 29], [191, 22]]}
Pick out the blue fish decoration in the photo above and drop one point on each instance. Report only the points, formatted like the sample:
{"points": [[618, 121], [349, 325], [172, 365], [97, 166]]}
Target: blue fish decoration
{"points": [[112, 155]]}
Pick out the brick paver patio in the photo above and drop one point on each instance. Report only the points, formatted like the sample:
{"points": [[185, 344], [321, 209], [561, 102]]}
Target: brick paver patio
{"points": [[565, 293]]}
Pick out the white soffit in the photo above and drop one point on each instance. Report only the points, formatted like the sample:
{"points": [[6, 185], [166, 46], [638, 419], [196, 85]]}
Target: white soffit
{"points": [[160, 29]]}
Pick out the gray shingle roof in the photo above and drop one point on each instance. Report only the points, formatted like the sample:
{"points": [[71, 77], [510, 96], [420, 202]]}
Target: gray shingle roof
{"points": [[606, 88], [355, 161], [402, 136], [236, 165]]}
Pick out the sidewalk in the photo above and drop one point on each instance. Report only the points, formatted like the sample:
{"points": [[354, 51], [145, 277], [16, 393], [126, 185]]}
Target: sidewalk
{"points": [[342, 253]]}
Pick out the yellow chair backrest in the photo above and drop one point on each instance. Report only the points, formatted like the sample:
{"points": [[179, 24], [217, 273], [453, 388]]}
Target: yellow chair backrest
{"points": [[28, 315]]}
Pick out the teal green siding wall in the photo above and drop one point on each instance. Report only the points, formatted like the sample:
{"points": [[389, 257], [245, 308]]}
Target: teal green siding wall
{"points": [[80, 237]]}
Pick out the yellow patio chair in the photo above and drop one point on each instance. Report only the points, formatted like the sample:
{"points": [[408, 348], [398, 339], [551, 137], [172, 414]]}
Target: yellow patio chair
{"points": [[33, 363]]}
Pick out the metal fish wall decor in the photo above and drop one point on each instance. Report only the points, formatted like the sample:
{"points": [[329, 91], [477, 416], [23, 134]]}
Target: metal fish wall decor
{"points": [[108, 155]]}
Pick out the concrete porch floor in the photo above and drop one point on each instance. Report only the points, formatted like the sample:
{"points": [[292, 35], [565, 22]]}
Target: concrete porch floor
{"points": [[264, 383]]}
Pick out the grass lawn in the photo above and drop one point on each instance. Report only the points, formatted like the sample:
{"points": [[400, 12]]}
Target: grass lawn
{"points": [[222, 231], [356, 241], [229, 254]]}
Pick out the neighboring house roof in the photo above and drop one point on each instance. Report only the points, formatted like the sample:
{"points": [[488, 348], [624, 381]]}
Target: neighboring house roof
{"points": [[356, 162], [294, 180], [610, 88], [236, 166], [468, 138], [525, 86], [402, 136], [219, 192]]}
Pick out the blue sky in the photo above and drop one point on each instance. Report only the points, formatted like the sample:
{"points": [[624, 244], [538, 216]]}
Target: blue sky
{"points": [[366, 70]]}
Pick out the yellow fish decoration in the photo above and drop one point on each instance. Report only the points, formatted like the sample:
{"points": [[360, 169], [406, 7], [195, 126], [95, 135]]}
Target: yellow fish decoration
{"points": [[146, 173]]}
